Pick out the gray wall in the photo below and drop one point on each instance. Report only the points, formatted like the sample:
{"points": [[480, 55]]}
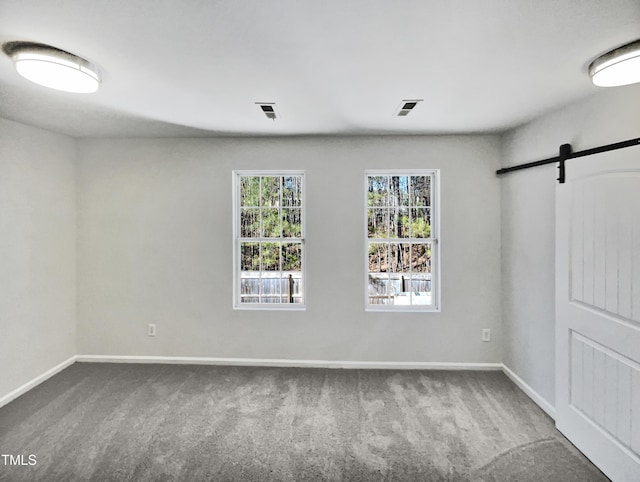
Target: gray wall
{"points": [[37, 253], [155, 243], [154, 213], [528, 223]]}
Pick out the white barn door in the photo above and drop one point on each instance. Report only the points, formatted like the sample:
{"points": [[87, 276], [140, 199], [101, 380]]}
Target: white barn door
{"points": [[598, 310]]}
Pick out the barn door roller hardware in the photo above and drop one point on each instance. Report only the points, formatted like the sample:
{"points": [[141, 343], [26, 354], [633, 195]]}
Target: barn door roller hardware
{"points": [[566, 154]]}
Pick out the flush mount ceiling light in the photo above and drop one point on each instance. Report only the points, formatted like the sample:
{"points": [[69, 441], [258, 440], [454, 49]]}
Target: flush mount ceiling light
{"points": [[406, 106], [52, 67], [621, 66]]}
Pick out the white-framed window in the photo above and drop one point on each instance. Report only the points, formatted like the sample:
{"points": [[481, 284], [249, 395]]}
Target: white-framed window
{"points": [[268, 247], [402, 216]]}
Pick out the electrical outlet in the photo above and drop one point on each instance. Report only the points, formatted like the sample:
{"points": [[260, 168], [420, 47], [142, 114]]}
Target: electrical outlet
{"points": [[151, 329], [486, 334]]}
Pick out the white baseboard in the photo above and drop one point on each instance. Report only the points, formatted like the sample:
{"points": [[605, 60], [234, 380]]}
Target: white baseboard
{"points": [[36, 381], [533, 395], [274, 362]]}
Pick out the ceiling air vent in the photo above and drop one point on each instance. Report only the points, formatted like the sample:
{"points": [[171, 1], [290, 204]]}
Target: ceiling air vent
{"points": [[268, 109], [406, 106]]}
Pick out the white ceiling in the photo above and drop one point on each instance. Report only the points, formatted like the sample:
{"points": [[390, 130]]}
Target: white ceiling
{"points": [[197, 67]]}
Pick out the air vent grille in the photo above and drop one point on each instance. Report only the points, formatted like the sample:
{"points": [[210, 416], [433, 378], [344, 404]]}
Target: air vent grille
{"points": [[268, 109], [406, 106]]}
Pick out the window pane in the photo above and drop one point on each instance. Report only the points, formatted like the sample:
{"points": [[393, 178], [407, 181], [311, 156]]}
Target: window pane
{"points": [[271, 287], [421, 258], [394, 284], [250, 223], [378, 191], [292, 191], [378, 257], [249, 191], [420, 190], [421, 283], [378, 222], [270, 223], [421, 222], [291, 257], [250, 289], [271, 191], [421, 293], [399, 223], [291, 286], [400, 289], [400, 258], [291, 223], [249, 257], [271, 256], [399, 191], [297, 288], [378, 289]]}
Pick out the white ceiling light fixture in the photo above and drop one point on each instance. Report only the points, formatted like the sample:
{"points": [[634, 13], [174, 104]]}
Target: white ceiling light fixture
{"points": [[620, 66], [53, 68]]}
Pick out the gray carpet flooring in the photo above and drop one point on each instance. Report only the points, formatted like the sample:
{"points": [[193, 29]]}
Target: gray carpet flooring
{"points": [[119, 422]]}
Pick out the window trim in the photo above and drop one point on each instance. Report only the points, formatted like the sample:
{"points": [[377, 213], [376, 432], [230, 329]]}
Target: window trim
{"points": [[236, 175], [436, 238]]}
